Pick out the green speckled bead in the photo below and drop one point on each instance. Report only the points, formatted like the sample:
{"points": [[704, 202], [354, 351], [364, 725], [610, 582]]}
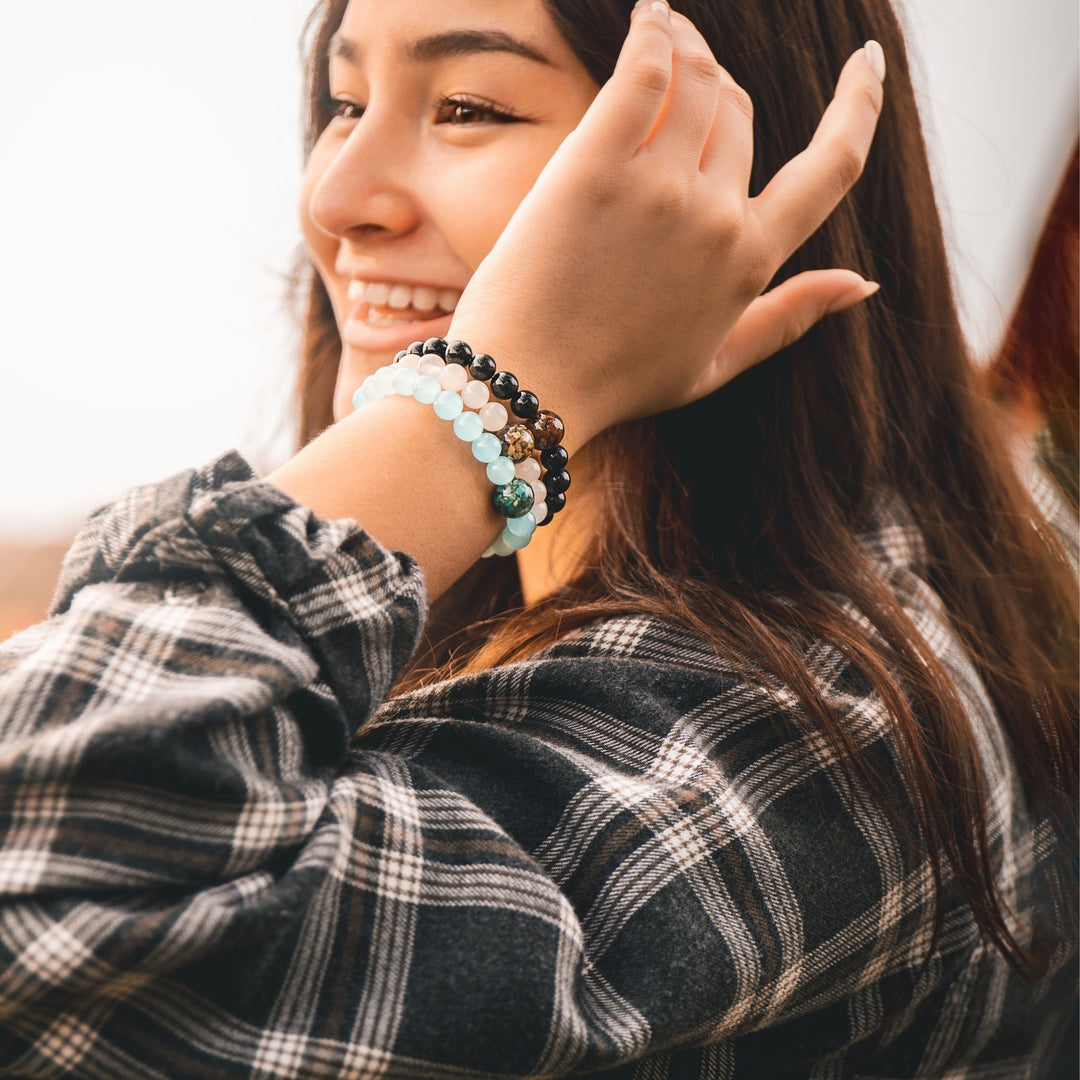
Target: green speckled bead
{"points": [[517, 442], [514, 499]]}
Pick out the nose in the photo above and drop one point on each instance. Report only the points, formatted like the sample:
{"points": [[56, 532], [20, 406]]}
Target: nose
{"points": [[364, 192]]}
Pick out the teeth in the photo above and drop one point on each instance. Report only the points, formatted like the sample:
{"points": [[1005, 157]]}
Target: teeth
{"points": [[400, 297]]}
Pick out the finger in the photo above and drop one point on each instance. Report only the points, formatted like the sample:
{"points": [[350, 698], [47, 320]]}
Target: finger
{"points": [[686, 117], [728, 155], [781, 316], [807, 189], [626, 108]]}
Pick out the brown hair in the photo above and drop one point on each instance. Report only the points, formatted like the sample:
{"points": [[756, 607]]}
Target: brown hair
{"points": [[738, 516]]}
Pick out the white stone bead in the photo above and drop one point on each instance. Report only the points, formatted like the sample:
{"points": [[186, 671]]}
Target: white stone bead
{"points": [[384, 381], [453, 377], [475, 393], [431, 364], [501, 547], [539, 491], [529, 469], [410, 360], [494, 416], [539, 511]]}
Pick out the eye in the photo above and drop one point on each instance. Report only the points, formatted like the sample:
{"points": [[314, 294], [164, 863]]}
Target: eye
{"points": [[469, 110], [345, 110]]}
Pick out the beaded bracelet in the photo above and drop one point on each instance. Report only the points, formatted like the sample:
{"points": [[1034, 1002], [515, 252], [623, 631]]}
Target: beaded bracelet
{"points": [[437, 372]]}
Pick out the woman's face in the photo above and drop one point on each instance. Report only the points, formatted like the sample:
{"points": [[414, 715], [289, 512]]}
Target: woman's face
{"points": [[446, 111]]}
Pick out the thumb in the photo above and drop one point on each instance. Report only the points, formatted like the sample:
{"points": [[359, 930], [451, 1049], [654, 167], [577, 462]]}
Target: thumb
{"points": [[781, 316]]}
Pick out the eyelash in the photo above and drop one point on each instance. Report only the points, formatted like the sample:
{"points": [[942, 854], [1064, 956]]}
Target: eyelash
{"points": [[486, 111]]}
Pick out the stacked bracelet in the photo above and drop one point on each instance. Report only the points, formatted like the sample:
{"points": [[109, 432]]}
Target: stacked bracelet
{"points": [[518, 442]]}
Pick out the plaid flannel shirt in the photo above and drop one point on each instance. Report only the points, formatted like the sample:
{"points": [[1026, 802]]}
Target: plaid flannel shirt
{"points": [[223, 855]]}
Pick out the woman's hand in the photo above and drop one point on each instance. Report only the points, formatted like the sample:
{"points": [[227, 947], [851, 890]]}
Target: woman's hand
{"points": [[629, 280]]}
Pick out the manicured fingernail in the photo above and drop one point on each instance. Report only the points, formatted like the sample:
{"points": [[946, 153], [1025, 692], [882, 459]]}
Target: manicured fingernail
{"points": [[857, 293], [654, 5], [875, 57]]}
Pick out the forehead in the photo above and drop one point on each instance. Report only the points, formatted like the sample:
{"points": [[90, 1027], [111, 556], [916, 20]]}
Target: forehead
{"points": [[424, 31]]}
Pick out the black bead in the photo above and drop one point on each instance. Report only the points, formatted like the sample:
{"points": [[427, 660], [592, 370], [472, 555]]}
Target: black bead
{"points": [[436, 345], [416, 348], [457, 352], [556, 481], [554, 458], [555, 500], [482, 367], [503, 385], [399, 356], [524, 404], [546, 521]]}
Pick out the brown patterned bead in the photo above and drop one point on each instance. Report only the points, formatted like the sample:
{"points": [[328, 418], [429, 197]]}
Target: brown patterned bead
{"points": [[517, 442], [547, 430]]}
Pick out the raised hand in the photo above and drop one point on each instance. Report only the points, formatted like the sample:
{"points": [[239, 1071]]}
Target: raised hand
{"points": [[629, 280]]}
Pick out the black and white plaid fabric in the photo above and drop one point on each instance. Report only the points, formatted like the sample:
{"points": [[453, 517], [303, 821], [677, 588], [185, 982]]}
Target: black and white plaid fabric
{"points": [[223, 856]]}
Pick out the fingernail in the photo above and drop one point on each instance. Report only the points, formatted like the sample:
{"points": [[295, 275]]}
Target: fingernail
{"points": [[654, 5], [875, 57], [857, 293]]}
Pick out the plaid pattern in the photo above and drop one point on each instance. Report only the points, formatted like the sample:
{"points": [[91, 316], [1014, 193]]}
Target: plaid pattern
{"points": [[222, 856]]}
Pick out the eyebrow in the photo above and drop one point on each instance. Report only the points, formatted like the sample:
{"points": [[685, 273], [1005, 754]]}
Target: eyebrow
{"points": [[450, 43]]}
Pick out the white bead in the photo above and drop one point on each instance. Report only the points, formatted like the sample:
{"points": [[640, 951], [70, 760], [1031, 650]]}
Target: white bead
{"points": [[539, 491], [384, 381], [494, 416], [501, 547], [453, 377], [410, 360], [539, 511], [475, 393], [529, 469], [431, 364]]}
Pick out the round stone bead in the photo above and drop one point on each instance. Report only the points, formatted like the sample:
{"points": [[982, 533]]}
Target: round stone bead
{"points": [[501, 547], [467, 426], [399, 356], [529, 469], [430, 364], [515, 541], [415, 348], [475, 394], [494, 416], [548, 430], [539, 491], [447, 405], [482, 367], [436, 345], [410, 360], [555, 502], [486, 447], [404, 380], [504, 385], [522, 526], [359, 398], [540, 512], [517, 442], [453, 377], [384, 381], [524, 404], [513, 499], [457, 352], [426, 389], [554, 457], [500, 471], [557, 481]]}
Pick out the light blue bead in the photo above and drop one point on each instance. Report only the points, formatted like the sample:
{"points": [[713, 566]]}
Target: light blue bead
{"points": [[468, 426], [360, 399], [486, 447], [513, 540], [384, 381], [500, 471], [448, 405], [522, 526], [404, 380], [426, 389]]}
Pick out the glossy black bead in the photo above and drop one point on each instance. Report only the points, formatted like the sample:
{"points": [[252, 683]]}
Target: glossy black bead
{"points": [[504, 385], [416, 348], [436, 345], [482, 367], [524, 404], [555, 500], [557, 481], [457, 352], [546, 521], [399, 356], [554, 458]]}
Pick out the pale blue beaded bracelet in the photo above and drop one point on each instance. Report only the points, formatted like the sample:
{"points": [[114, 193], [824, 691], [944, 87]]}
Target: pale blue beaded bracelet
{"points": [[514, 495]]}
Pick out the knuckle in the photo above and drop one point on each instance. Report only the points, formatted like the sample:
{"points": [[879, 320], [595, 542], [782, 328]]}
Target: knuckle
{"points": [[738, 99], [849, 165], [701, 67], [652, 76]]}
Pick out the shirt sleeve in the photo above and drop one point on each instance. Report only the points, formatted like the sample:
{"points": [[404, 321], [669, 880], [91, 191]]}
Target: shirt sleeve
{"points": [[219, 857]]}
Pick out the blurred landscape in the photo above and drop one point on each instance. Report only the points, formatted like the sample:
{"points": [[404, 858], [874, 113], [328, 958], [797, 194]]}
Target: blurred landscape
{"points": [[28, 575]]}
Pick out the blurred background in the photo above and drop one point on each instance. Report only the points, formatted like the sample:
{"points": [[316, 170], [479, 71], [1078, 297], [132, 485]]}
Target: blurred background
{"points": [[149, 171]]}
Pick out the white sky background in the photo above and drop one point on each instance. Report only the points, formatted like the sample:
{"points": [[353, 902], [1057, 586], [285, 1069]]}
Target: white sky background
{"points": [[149, 171]]}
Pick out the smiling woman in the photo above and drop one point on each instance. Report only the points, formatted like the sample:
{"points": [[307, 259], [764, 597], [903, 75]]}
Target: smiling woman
{"points": [[755, 757]]}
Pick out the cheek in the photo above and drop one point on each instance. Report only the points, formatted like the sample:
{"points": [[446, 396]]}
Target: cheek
{"points": [[322, 246]]}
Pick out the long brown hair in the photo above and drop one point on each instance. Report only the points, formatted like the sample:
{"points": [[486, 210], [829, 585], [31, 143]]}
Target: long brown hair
{"points": [[738, 516]]}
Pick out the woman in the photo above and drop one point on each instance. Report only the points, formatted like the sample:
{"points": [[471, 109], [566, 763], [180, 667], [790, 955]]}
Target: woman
{"points": [[770, 772]]}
